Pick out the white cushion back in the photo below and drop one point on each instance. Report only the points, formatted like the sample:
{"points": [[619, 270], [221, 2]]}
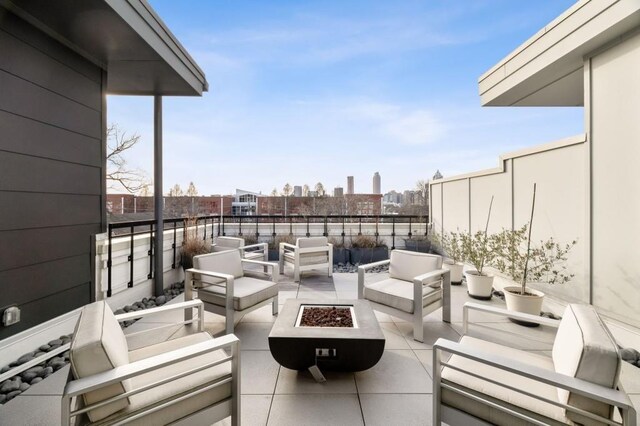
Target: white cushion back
{"points": [[583, 348], [99, 345], [406, 265], [228, 243], [224, 262], [312, 242]]}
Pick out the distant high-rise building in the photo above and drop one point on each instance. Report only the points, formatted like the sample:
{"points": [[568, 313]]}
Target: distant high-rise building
{"points": [[338, 191], [350, 185], [297, 191], [376, 183]]}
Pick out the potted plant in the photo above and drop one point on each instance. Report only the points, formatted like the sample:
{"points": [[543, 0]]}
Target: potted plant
{"points": [[450, 245], [526, 263], [340, 251], [478, 250], [192, 244], [419, 243], [366, 249]]}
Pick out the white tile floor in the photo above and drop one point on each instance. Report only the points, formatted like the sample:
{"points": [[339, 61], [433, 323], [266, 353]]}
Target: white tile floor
{"points": [[395, 391]]}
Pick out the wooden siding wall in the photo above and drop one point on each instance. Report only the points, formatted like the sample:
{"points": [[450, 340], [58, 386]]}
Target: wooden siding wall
{"points": [[51, 173]]}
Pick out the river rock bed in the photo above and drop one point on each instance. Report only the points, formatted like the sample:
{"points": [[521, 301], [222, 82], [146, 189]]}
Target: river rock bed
{"points": [[19, 383], [171, 292], [353, 268]]}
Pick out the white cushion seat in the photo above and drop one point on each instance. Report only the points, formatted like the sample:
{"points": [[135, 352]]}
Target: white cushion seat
{"points": [[175, 387], [399, 294], [533, 407], [247, 292]]}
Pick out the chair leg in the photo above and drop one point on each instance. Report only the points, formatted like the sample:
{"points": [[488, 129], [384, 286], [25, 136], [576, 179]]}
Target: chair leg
{"points": [[274, 305], [418, 329], [296, 275], [229, 323]]}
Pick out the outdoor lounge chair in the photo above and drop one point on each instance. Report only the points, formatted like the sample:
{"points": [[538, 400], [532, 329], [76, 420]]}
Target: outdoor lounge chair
{"points": [[225, 289], [308, 254], [259, 251], [417, 286], [489, 382], [192, 379]]}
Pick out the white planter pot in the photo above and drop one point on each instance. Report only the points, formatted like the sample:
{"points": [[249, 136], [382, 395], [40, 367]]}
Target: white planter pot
{"points": [[456, 271], [479, 286], [525, 303]]}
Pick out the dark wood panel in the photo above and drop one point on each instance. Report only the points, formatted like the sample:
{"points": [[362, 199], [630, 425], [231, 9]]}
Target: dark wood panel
{"points": [[41, 310], [22, 30], [26, 99], [32, 246], [25, 61], [31, 137], [21, 172], [20, 286], [23, 210]]}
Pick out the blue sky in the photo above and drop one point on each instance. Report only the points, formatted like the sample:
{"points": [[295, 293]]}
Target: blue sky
{"points": [[314, 91]]}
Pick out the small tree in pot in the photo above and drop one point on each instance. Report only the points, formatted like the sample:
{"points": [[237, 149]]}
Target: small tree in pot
{"points": [[526, 263]]}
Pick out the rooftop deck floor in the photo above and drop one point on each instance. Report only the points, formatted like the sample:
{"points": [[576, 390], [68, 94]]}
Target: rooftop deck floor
{"points": [[395, 391]]}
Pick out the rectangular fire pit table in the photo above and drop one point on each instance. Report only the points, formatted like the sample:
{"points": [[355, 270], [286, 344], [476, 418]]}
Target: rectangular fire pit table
{"points": [[353, 348]]}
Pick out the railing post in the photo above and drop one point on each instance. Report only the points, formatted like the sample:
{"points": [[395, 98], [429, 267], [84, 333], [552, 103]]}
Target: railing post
{"points": [[150, 252], [359, 225], [223, 233], [290, 224], [240, 226], [109, 262], [326, 227], [393, 233], [273, 234], [257, 229], [130, 258], [173, 246], [204, 237], [410, 234], [308, 234], [343, 234]]}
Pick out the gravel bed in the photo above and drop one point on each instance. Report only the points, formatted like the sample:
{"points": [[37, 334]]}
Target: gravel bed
{"points": [[353, 268]]}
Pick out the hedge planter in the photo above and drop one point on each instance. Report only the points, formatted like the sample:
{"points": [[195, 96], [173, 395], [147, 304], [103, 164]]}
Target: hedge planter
{"points": [[274, 255], [367, 255], [422, 246], [341, 255], [479, 286]]}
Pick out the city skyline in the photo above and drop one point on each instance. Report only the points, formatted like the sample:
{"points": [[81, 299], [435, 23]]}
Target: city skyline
{"points": [[314, 92]]}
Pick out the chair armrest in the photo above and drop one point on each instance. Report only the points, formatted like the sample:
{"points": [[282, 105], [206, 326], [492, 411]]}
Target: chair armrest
{"points": [[374, 264], [549, 377], [361, 271], [421, 279], [505, 313], [288, 246], [159, 309], [273, 265], [263, 246], [118, 374], [210, 274]]}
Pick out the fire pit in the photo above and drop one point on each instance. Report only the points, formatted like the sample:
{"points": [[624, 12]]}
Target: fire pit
{"points": [[341, 335]]}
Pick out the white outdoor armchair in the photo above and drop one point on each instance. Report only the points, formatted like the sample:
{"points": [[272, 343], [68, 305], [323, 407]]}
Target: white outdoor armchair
{"points": [[193, 379], [259, 251], [221, 283], [417, 286], [489, 382], [308, 254]]}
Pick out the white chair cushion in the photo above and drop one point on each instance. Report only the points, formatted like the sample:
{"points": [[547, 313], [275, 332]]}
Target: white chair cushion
{"points": [[99, 345], [247, 291], [406, 265], [399, 294], [583, 348], [227, 243], [312, 242], [224, 262], [547, 413], [190, 405]]}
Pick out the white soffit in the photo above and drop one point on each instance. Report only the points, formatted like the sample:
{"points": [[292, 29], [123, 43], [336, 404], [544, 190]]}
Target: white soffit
{"points": [[547, 70]]}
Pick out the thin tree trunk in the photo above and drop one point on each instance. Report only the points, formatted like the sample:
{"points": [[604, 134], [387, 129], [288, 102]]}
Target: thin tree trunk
{"points": [[526, 260]]}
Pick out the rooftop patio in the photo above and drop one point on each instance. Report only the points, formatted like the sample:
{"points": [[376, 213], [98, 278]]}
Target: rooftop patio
{"points": [[395, 391]]}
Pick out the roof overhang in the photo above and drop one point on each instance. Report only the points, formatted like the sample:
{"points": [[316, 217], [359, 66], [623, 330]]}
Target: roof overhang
{"points": [[547, 70], [124, 37]]}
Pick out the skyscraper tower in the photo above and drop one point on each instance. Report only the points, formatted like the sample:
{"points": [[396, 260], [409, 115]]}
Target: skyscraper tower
{"points": [[350, 185], [376, 183]]}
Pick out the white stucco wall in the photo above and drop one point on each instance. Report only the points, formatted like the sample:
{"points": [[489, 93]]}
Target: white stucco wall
{"points": [[615, 138]]}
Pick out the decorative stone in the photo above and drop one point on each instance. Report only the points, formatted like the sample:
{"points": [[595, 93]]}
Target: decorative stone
{"points": [[46, 372], [28, 376], [9, 386], [56, 342], [35, 380], [58, 365], [24, 386], [45, 348], [4, 369], [630, 355], [25, 358], [161, 300], [3, 398], [127, 308], [13, 394]]}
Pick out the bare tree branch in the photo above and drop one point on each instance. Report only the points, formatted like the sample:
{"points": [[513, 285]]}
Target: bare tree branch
{"points": [[119, 174]]}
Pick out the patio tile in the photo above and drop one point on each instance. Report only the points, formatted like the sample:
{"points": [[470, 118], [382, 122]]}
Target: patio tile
{"points": [[398, 409], [253, 336], [630, 378], [301, 382], [426, 358], [259, 372], [263, 314], [287, 294], [254, 411], [347, 294], [399, 371], [317, 294], [432, 332], [41, 410], [382, 317], [311, 410], [393, 337]]}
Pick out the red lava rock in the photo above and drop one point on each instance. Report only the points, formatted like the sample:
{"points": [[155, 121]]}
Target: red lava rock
{"points": [[330, 316]]}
